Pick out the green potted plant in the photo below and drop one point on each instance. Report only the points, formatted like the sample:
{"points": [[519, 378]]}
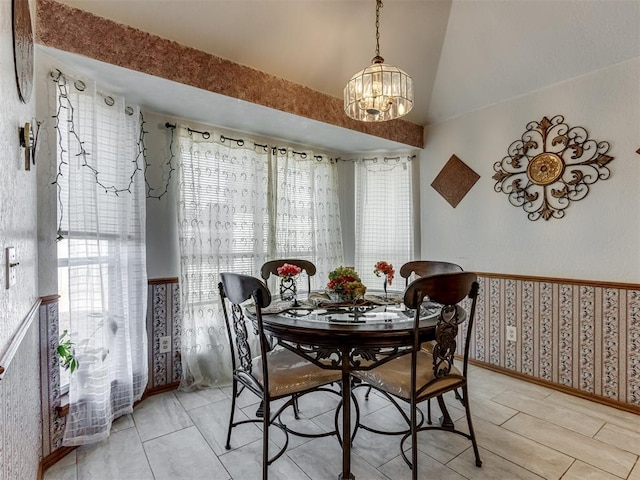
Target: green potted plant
{"points": [[67, 352]]}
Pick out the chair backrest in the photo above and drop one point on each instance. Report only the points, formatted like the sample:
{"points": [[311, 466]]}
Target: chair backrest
{"points": [[424, 268], [449, 290], [271, 268], [236, 289]]}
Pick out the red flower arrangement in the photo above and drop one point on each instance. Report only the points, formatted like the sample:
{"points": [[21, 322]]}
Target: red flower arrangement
{"points": [[384, 268], [289, 271]]}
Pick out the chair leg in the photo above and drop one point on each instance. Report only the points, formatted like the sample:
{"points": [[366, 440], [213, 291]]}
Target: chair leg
{"points": [[414, 441], [265, 439], [429, 412], [366, 395], [465, 401], [296, 410], [445, 420], [233, 408]]}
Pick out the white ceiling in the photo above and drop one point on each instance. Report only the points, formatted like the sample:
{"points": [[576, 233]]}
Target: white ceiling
{"points": [[463, 55]]}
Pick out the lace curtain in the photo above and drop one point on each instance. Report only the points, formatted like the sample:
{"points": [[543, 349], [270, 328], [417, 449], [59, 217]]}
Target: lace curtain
{"points": [[223, 226], [102, 264], [240, 206], [385, 226], [307, 212]]}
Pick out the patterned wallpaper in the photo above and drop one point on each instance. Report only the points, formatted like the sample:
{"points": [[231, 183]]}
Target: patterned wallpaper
{"points": [[584, 336], [53, 424], [163, 314]]}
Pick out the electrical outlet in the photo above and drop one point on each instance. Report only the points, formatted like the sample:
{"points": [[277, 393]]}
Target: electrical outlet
{"points": [[165, 344], [511, 333]]}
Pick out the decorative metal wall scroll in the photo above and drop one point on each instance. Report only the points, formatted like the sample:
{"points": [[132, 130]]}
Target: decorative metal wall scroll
{"points": [[551, 166]]}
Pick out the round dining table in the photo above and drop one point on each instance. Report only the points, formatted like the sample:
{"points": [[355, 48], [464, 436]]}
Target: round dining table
{"points": [[348, 337]]}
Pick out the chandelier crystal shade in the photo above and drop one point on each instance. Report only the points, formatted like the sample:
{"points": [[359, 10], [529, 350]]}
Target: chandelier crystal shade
{"points": [[380, 92]]}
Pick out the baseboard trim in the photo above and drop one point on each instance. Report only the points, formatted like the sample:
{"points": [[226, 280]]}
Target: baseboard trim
{"points": [[53, 458], [627, 407]]}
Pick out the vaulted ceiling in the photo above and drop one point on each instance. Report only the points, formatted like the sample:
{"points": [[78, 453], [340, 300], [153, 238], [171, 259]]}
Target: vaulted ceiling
{"points": [[463, 55]]}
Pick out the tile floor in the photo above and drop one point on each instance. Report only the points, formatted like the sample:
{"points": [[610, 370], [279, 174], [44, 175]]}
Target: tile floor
{"points": [[525, 431]]}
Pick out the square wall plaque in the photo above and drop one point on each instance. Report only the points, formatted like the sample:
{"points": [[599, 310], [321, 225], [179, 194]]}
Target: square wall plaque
{"points": [[454, 181]]}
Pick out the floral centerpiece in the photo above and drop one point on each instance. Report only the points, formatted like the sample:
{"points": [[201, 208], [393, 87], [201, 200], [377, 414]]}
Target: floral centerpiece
{"points": [[344, 285], [288, 274], [386, 270]]}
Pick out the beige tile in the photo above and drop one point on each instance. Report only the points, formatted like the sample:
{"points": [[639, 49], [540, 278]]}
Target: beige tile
{"points": [[490, 410], [488, 384], [597, 410], [198, 398], [119, 456], [599, 454], [428, 469], [183, 455], [246, 463], [321, 459], [620, 437], [581, 471], [635, 473], [533, 456], [493, 467], [577, 421], [213, 422], [159, 415]]}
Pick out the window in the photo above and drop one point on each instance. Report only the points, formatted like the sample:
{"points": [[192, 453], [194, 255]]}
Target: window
{"points": [[385, 226], [101, 254]]}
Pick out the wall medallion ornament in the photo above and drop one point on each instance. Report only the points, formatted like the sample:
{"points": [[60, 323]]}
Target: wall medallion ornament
{"points": [[550, 166]]}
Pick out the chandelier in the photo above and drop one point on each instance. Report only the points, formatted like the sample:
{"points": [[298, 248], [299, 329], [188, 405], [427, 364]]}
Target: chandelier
{"points": [[380, 92]]}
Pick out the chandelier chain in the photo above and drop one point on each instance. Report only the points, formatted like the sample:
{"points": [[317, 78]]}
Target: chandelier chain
{"points": [[378, 7]]}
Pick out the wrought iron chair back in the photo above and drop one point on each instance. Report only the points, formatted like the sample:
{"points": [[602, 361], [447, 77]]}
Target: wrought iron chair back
{"points": [[237, 289], [292, 376], [449, 290], [271, 268], [424, 268], [425, 374]]}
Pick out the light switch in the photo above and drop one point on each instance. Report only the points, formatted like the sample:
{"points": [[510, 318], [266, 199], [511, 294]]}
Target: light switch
{"points": [[11, 264]]}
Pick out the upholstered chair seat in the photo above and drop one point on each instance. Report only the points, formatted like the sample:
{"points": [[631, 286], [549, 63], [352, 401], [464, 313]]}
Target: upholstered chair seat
{"points": [[394, 377], [289, 373]]}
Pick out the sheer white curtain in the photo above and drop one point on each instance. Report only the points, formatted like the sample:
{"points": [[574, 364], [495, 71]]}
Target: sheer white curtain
{"points": [[307, 211], [223, 227], [385, 226], [239, 206], [102, 265]]}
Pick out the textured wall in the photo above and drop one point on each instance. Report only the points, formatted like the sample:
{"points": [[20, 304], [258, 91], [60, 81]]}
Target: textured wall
{"points": [[20, 425], [76, 31], [599, 236], [17, 192], [581, 335], [20, 432]]}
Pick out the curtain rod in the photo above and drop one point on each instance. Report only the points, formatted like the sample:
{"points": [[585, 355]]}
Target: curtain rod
{"points": [[376, 159], [240, 142]]}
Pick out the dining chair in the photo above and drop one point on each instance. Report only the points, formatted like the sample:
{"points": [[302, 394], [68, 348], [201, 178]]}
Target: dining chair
{"points": [[420, 375], [272, 374], [424, 268], [271, 268]]}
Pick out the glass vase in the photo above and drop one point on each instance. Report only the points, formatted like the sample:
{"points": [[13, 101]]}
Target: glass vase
{"points": [[288, 290]]}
